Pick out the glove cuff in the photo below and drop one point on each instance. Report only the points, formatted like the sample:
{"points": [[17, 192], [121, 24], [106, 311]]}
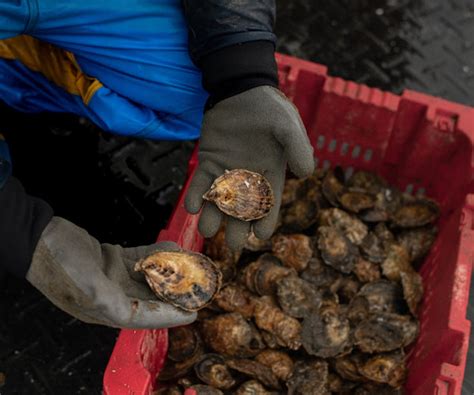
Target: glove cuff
{"points": [[23, 219], [238, 68]]}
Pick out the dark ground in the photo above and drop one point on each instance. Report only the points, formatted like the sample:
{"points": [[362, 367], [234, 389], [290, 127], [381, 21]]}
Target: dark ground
{"points": [[122, 190]]}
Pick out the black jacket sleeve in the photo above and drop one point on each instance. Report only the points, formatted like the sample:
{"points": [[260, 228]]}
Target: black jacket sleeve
{"points": [[232, 41], [22, 221]]}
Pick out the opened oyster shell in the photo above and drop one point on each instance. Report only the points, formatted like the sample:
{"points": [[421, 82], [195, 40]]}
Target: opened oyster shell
{"points": [[187, 280], [242, 194]]}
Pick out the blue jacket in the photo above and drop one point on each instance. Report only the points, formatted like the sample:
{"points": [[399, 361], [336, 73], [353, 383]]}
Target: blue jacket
{"points": [[124, 64]]}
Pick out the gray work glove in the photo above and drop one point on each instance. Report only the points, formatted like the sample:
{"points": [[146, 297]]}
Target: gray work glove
{"points": [[258, 130], [96, 283]]}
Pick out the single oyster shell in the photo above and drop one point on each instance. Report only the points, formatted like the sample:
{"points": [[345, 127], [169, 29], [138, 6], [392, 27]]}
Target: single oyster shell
{"points": [[187, 280], [366, 181], [297, 297], [385, 332], [253, 387], [397, 261], [355, 201], [175, 370], [232, 335], [279, 362], [336, 249], [416, 213], [271, 319], [242, 194], [235, 298], [183, 343], [353, 228], [320, 274], [327, 333], [309, 378], [294, 251], [212, 370], [333, 185], [255, 370], [386, 368], [412, 289], [348, 367], [418, 241], [383, 297], [338, 385], [366, 271], [373, 248], [205, 390], [299, 216]]}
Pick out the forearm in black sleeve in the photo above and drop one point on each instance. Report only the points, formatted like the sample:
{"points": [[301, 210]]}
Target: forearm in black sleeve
{"points": [[232, 42]]}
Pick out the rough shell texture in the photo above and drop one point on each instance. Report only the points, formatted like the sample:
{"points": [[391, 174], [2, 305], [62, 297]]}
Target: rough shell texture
{"points": [[271, 319], [320, 274], [397, 261], [255, 370], [206, 390], [185, 279], [253, 387], [242, 194], [354, 229], [416, 213], [327, 333], [174, 370], [279, 362], [336, 249], [333, 185], [299, 216], [309, 378], [366, 181], [418, 241], [294, 251], [183, 343], [348, 367], [383, 297], [366, 271], [373, 248], [386, 368], [212, 370], [297, 297], [412, 289], [355, 201], [231, 334], [234, 298], [385, 332]]}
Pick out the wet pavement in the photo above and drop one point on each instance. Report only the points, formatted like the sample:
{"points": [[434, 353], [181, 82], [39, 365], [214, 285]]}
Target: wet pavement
{"points": [[122, 190]]}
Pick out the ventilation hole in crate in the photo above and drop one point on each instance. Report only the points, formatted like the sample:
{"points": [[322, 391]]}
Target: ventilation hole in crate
{"points": [[332, 146], [326, 164], [368, 155], [349, 172], [420, 192], [409, 189], [344, 148], [356, 151], [320, 142]]}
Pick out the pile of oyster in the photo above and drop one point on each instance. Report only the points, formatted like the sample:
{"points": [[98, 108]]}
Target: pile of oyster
{"points": [[328, 305]]}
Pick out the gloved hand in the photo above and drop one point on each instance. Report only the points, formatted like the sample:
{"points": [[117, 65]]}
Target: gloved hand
{"points": [[258, 130], [93, 282], [96, 283]]}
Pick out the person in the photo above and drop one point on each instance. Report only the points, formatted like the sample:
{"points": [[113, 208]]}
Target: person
{"points": [[159, 69]]}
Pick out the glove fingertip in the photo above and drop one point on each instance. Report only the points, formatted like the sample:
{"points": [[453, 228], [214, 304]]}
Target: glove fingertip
{"points": [[192, 204], [303, 166], [210, 221]]}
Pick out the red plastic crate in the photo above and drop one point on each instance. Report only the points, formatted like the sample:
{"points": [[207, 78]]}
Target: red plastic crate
{"points": [[420, 143]]}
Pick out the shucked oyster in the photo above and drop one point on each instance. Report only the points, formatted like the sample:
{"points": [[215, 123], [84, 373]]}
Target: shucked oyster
{"points": [[242, 194], [187, 280]]}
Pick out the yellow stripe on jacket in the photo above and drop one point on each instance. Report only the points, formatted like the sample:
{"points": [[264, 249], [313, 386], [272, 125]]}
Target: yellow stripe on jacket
{"points": [[57, 65]]}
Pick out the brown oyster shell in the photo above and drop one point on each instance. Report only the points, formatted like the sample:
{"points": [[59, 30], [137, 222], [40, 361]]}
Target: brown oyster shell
{"points": [[366, 181], [326, 333], [387, 368], [336, 249], [255, 244], [187, 280], [297, 297], [320, 274], [231, 334], [183, 342], [201, 389], [242, 194], [356, 201], [412, 289], [416, 213], [418, 241], [212, 370], [354, 229], [279, 362], [294, 250], [397, 261], [255, 370], [348, 367], [385, 332], [299, 216], [373, 248], [234, 298], [366, 271], [253, 387], [309, 378], [333, 185], [271, 319]]}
